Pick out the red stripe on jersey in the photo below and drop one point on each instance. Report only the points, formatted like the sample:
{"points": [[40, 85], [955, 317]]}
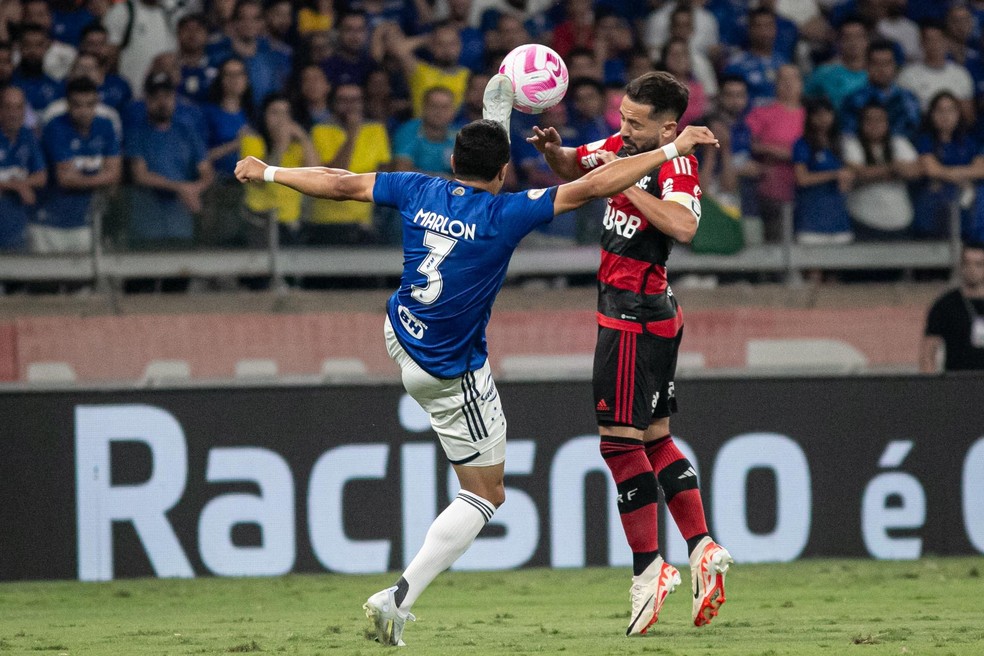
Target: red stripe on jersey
{"points": [[667, 327], [631, 274]]}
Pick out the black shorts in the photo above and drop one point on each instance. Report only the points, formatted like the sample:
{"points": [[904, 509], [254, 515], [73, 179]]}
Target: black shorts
{"points": [[633, 377]]}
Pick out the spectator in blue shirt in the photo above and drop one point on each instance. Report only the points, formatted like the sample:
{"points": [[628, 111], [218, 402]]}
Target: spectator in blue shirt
{"points": [[759, 64], [268, 65], [952, 162], [902, 105], [88, 66], [820, 211], [723, 170], [425, 144], [472, 39], [114, 91], [197, 73], [22, 170], [83, 155], [69, 21], [40, 89], [227, 115], [185, 111], [170, 171], [787, 34], [351, 63], [586, 109], [848, 72], [471, 104]]}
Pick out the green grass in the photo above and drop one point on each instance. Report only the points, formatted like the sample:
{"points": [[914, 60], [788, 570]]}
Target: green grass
{"points": [[829, 607]]}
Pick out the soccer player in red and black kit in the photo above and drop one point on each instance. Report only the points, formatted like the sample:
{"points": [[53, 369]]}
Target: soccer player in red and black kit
{"points": [[640, 326]]}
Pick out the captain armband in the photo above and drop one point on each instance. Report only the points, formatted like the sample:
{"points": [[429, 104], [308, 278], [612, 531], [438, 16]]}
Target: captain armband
{"points": [[690, 202]]}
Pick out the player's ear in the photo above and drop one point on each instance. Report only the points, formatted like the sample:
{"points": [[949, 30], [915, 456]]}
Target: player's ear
{"points": [[670, 128], [502, 173], [452, 163]]}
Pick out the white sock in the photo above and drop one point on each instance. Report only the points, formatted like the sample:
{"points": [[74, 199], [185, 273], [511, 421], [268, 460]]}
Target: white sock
{"points": [[448, 537]]}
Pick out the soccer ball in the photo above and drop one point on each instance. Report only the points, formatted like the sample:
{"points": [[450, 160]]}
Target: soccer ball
{"points": [[539, 77]]}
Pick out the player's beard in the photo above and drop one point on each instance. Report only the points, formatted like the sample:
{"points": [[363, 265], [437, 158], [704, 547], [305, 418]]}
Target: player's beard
{"points": [[634, 148]]}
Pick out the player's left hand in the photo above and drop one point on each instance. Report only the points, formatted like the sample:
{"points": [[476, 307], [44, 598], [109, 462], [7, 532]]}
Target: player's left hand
{"points": [[250, 169], [693, 136]]}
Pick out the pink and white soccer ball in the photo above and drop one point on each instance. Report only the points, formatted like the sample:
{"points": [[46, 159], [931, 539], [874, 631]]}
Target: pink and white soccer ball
{"points": [[539, 77]]}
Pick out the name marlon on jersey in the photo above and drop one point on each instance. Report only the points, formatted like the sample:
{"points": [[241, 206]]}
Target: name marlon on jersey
{"points": [[444, 225]]}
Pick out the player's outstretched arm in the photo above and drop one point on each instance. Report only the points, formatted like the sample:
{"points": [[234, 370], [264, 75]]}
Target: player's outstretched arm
{"points": [[317, 181], [621, 174], [561, 159]]}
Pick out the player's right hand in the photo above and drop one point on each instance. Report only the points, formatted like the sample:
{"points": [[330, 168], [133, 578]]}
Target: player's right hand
{"points": [[545, 140], [250, 169], [693, 136]]}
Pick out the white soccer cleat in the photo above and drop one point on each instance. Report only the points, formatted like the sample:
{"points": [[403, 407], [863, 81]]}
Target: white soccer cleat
{"points": [[708, 564], [648, 592], [497, 103], [387, 619]]}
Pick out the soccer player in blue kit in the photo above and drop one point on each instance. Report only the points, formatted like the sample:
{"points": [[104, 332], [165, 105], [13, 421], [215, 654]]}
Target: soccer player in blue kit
{"points": [[458, 238]]}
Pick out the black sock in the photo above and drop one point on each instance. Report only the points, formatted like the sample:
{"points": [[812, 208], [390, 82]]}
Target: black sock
{"points": [[640, 561], [402, 587], [694, 541]]}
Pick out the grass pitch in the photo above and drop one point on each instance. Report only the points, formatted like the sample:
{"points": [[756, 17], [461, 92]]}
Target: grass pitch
{"points": [[829, 607]]}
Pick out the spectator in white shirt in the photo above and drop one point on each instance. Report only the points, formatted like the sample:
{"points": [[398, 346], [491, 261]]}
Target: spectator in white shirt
{"points": [[706, 36], [139, 31], [883, 163], [936, 73]]}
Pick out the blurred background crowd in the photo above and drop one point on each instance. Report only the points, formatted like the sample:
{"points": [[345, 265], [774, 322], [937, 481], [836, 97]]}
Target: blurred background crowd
{"points": [[859, 116]]}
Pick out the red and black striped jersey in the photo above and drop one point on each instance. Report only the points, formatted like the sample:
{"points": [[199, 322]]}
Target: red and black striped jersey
{"points": [[632, 287]]}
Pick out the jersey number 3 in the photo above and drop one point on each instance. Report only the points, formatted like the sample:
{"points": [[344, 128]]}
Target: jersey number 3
{"points": [[439, 247]]}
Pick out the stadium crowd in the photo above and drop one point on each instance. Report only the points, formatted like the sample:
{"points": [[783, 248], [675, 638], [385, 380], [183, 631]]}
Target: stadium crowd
{"points": [[860, 114]]}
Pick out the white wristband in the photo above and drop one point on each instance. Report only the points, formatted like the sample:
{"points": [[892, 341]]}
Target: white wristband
{"points": [[269, 172], [670, 150]]}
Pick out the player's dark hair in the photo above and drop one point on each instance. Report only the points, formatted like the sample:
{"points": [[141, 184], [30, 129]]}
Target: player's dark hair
{"points": [[759, 12], [661, 91], [882, 45], [818, 141], [972, 245], [92, 28], [481, 149], [855, 19], [80, 85], [30, 28], [866, 145], [579, 82], [197, 17], [931, 24], [732, 77]]}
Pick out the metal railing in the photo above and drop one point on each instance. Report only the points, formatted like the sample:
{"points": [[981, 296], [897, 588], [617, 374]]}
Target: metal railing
{"points": [[103, 268]]}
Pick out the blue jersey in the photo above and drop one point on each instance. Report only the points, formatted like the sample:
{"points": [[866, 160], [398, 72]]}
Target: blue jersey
{"points": [[457, 242], [69, 208], [19, 159]]}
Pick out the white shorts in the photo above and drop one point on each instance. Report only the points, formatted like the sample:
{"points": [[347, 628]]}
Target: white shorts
{"points": [[465, 412]]}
